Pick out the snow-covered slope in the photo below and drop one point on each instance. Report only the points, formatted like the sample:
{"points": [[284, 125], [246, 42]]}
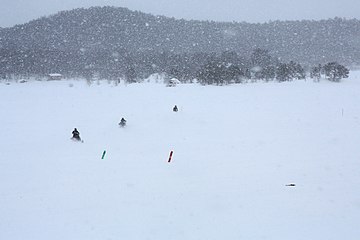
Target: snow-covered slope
{"points": [[235, 149]]}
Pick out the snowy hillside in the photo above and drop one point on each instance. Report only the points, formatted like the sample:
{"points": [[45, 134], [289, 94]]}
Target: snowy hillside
{"points": [[235, 149]]}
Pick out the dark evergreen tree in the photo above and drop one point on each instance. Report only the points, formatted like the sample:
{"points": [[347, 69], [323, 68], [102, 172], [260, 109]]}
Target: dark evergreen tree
{"points": [[269, 72], [262, 64], [283, 72], [297, 71], [335, 72], [211, 73], [234, 73], [315, 73]]}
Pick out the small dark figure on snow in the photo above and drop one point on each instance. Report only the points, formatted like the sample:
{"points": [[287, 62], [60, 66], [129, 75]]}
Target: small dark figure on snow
{"points": [[76, 135], [122, 122], [175, 109]]}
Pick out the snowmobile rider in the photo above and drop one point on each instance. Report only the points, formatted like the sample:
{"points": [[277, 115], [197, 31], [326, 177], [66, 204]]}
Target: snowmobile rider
{"points": [[76, 134], [122, 122]]}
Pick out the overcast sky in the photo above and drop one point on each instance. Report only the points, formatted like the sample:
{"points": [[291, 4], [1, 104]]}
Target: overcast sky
{"points": [[20, 11]]}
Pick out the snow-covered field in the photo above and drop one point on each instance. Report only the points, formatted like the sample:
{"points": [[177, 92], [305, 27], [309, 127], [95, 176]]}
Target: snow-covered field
{"points": [[235, 149]]}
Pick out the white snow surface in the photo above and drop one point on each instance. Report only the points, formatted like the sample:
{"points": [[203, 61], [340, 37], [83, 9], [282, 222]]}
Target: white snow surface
{"points": [[236, 148]]}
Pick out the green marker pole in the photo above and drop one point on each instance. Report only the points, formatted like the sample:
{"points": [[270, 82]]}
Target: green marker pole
{"points": [[103, 155]]}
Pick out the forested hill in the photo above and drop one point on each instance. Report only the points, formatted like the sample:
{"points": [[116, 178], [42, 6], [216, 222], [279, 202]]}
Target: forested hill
{"points": [[112, 28]]}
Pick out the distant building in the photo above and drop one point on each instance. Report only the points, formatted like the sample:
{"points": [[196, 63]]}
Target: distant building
{"points": [[55, 76], [173, 82]]}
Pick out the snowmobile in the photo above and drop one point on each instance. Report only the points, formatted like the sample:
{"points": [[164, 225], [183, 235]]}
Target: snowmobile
{"points": [[76, 135], [122, 122]]}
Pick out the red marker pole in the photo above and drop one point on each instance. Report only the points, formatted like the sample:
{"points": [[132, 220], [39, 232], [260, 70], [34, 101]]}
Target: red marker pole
{"points": [[171, 153]]}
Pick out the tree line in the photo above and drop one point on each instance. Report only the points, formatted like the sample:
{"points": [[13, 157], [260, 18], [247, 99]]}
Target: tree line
{"points": [[207, 68]]}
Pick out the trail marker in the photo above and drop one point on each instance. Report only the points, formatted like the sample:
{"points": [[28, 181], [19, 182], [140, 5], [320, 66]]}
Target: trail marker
{"points": [[103, 155], [171, 153]]}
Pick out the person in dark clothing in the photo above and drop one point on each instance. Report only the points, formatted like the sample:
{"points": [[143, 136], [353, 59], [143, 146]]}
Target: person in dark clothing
{"points": [[175, 109], [76, 135], [122, 122]]}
